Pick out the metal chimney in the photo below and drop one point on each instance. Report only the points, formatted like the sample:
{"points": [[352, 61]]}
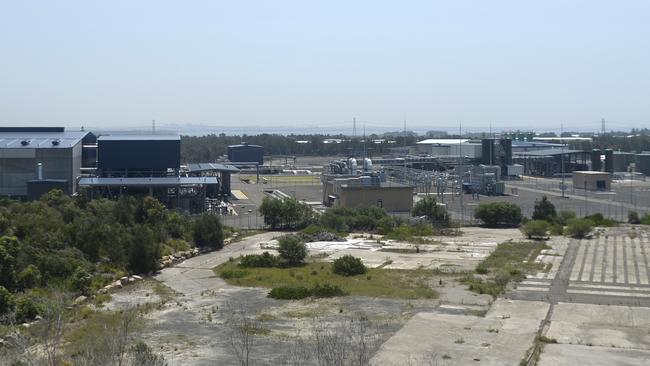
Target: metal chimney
{"points": [[39, 170]]}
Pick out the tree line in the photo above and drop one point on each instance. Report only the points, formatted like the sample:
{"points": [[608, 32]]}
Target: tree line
{"points": [[78, 245]]}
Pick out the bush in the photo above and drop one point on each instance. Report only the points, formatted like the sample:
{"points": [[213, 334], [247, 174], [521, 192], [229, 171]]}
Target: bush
{"points": [[302, 292], [292, 250], [81, 280], [599, 220], [564, 217], [264, 260], [233, 273], [579, 228], [6, 301], [535, 229], [645, 220], [556, 229], [435, 213], [29, 277], [633, 218], [26, 309], [348, 265], [286, 213], [208, 232], [544, 210], [497, 214]]}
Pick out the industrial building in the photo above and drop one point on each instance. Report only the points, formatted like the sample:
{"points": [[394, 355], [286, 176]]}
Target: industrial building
{"points": [[245, 153], [149, 166], [592, 181], [34, 160], [366, 191]]}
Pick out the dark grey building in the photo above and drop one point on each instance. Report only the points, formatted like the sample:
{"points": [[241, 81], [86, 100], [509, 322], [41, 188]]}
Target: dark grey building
{"points": [[245, 153], [59, 152], [138, 155]]}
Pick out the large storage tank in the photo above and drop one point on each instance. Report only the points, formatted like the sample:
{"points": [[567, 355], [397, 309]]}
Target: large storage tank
{"points": [[609, 160], [596, 164]]}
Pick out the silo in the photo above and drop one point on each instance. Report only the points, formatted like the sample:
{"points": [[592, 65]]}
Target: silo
{"points": [[643, 163], [609, 160]]}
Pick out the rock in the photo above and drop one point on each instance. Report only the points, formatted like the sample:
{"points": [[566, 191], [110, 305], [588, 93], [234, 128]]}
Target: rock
{"points": [[131, 279], [102, 291], [79, 300], [138, 278], [109, 287], [124, 280], [117, 284]]}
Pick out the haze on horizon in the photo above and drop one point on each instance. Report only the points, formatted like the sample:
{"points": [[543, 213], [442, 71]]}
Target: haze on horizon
{"points": [[284, 64]]}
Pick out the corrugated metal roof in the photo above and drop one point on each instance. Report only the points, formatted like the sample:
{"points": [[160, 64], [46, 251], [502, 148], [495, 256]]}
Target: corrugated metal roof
{"points": [[199, 167], [138, 137], [40, 140], [441, 141], [550, 152], [154, 181]]}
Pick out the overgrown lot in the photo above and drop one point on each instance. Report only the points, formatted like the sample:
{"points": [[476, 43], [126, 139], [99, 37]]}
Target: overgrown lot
{"points": [[377, 282], [510, 261]]}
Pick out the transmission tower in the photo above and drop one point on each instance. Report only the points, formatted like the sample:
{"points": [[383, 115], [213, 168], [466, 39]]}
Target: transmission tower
{"points": [[602, 126]]}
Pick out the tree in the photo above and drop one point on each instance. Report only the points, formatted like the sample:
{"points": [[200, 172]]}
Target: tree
{"points": [[144, 251], [292, 250], [544, 210], [348, 265], [8, 253], [435, 213], [535, 229], [633, 218], [208, 232], [497, 214], [271, 209]]}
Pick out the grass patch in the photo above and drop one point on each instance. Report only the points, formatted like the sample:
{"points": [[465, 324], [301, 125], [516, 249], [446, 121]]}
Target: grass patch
{"points": [[377, 282], [510, 261]]}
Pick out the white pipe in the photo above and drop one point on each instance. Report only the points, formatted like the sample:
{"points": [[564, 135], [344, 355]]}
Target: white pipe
{"points": [[40, 171]]}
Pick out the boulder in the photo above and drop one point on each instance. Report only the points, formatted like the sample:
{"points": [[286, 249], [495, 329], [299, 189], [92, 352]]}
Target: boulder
{"points": [[138, 278], [79, 300], [131, 280], [117, 284]]}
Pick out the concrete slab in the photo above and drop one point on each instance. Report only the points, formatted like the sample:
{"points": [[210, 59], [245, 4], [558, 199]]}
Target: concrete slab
{"points": [[570, 355], [601, 325], [502, 337]]}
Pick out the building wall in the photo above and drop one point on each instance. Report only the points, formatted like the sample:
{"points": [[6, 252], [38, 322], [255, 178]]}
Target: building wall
{"points": [[591, 180], [18, 166], [246, 154], [393, 199]]}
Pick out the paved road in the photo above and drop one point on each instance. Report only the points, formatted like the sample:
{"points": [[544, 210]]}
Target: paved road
{"points": [[195, 274]]}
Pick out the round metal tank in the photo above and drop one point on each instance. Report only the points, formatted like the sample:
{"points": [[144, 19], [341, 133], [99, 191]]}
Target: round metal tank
{"points": [[367, 164], [352, 163], [643, 163]]}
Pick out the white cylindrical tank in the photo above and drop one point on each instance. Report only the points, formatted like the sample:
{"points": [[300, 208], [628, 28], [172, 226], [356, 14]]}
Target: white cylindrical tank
{"points": [[39, 171], [352, 163], [367, 164]]}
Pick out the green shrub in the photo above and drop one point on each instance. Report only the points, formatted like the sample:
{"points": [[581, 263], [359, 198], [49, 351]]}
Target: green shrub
{"points": [[498, 214], [579, 228], [544, 210], [292, 250], [599, 220], [327, 290], [208, 232], [556, 229], [233, 273], [564, 217], [29, 277], [645, 220], [6, 301], [302, 292], [26, 309], [348, 265], [535, 229], [264, 260], [633, 218], [81, 280], [290, 293], [435, 213]]}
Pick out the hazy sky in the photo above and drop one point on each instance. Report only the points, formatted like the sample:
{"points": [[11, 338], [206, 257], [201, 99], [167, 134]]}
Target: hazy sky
{"points": [[270, 64]]}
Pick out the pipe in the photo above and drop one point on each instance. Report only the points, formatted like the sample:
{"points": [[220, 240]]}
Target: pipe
{"points": [[39, 170]]}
